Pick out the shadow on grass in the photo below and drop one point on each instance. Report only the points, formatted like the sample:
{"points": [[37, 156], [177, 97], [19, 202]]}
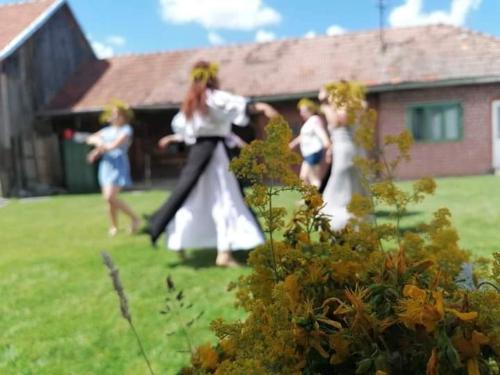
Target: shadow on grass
{"points": [[205, 259]]}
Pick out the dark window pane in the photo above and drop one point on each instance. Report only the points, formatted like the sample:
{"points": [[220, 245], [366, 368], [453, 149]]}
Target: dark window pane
{"points": [[418, 123], [436, 122]]}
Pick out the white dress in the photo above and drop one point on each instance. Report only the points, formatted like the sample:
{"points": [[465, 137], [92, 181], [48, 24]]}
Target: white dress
{"points": [[214, 215], [344, 179]]}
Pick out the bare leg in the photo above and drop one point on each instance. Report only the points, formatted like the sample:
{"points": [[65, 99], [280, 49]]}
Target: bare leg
{"points": [[121, 205], [315, 175], [107, 194], [304, 172], [225, 259]]}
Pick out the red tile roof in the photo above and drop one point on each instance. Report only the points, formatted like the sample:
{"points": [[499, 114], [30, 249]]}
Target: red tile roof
{"points": [[17, 17], [290, 67]]}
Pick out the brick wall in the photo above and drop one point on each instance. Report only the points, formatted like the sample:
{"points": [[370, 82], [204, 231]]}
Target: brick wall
{"points": [[471, 156]]}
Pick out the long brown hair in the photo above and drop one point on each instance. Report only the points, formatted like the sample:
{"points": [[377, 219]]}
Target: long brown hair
{"points": [[196, 97]]}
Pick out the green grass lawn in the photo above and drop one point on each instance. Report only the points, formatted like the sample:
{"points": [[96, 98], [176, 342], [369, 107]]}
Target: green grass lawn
{"points": [[59, 315]]}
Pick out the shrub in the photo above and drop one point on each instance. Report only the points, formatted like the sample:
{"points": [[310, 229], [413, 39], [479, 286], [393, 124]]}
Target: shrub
{"points": [[370, 299]]}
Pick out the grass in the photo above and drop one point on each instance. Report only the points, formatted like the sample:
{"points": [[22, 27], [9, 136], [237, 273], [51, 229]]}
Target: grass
{"points": [[59, 315]]}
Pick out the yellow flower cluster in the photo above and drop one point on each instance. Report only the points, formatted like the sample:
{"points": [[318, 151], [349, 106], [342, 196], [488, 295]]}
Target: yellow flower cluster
{"points": [[121, 106], [370, 299], [204, 74]]}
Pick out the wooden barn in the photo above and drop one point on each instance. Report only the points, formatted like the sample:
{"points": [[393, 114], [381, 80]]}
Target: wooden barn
{"points": [[441, 82], [41, 46]]}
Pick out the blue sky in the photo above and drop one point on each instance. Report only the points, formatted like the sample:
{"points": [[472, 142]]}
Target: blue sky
{"points": [[153, 25]]}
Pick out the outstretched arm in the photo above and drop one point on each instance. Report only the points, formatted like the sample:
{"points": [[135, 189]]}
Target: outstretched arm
{"points": [[295, 142], [236, 140], [264, 108], [95, 139], [165, 141], [121, 140]]}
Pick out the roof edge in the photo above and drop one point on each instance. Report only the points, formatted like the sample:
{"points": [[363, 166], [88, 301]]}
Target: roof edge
{"points": [[386, 87], [371, 89], [90, 110], [467, 81], [15, 43]]}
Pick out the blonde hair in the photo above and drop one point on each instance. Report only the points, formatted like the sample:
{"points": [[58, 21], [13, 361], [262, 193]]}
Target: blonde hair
{"points": [[122, 108], [309, 104]]}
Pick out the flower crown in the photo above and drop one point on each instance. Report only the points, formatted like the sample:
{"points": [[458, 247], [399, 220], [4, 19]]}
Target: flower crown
{"points": [[308, 103], [205, 74], [122, 106]]}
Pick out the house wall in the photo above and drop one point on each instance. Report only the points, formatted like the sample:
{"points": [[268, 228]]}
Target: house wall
{"points": [[470, 156], [33, 75]]}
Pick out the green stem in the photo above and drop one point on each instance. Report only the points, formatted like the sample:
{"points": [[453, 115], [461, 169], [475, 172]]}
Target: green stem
{"points": [[488, 283], [141, 347], [184, 331], [398, 220], [271, 230], [398, 206]]}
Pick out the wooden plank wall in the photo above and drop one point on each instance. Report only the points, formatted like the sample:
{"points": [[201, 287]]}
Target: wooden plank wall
{"points": [[34, 74]]}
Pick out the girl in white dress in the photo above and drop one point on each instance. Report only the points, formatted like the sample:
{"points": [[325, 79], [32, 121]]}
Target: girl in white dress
{"points": [[344, 179], [206, 208], [314, 143]]}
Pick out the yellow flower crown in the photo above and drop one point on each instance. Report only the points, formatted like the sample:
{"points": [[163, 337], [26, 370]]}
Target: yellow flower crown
{"points": [[205, 74], [122, 106], [309, 104]]}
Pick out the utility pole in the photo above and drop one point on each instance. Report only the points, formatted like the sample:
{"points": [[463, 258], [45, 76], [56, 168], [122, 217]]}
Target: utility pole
{"points": [[382, 5]]}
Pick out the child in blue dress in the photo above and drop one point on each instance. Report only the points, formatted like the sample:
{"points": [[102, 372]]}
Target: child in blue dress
{"points": [[111, 147]]}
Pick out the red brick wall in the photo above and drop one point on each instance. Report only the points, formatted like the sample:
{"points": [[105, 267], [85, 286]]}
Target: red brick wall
{"points": [[470, 156]]}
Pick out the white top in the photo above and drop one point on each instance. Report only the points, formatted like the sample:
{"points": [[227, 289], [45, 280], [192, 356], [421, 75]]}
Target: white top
{"points": [[311, 136], [224, 109]]}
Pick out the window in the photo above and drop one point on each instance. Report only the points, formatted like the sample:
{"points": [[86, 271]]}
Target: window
{"points": [[438, 122]]}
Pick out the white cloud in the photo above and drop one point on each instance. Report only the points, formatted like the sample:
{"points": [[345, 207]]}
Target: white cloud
{"points": [[335, 30], [220, 14], [264, 36], [310, 34], [411, 13], [116, 40], [215, 39], [102, 50]]}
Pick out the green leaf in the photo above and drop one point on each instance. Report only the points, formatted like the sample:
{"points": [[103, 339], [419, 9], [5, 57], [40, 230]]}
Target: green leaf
{"points": [[364, 366]]}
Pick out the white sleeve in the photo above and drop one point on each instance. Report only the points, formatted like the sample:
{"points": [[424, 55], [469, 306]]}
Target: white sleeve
{"points": [[234, 106], [180, 126]]}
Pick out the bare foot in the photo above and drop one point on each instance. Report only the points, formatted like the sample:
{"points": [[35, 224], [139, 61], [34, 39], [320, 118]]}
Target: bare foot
{"points": [[113, 231], [226, 259], [135, 226]]}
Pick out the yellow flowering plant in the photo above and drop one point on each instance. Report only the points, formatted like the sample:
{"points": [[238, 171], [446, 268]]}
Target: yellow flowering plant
{"points": [[122, 107], [369, 299]]}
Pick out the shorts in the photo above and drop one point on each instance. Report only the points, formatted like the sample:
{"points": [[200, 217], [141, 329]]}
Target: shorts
{"points": [[314, 159]]}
